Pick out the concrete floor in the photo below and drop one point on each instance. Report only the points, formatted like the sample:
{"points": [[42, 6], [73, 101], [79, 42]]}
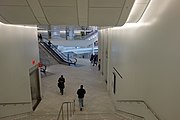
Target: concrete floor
{"points": [[97, 103], [96, 99]]}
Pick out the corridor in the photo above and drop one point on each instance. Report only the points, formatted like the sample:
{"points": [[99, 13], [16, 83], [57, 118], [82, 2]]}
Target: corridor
{"points": [[96, 98], [97, 103]]}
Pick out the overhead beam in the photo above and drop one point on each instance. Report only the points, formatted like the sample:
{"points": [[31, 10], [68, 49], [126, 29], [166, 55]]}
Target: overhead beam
{"points": [[82, 9], [38, 12], [3, 20]]}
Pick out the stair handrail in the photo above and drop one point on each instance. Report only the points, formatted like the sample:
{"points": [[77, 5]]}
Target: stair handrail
{"points": [[138, 101], [135, 115], [70, 110]]}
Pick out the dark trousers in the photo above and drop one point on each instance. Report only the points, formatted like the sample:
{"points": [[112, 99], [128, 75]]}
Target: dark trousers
{"points": [[61, 90]]}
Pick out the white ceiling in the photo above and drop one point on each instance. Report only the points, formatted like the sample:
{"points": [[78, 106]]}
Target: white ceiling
{"points": [[138, 10], [66, 12]]}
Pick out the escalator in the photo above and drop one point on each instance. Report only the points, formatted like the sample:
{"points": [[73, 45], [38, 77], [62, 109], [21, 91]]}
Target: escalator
{"points": [[56, 53]]}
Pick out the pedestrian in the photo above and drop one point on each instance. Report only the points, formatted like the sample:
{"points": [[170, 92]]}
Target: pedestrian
{"points": [[49, 43], [61, 85], [95, 59], [40, 37], [91, 58], [81, 92]]}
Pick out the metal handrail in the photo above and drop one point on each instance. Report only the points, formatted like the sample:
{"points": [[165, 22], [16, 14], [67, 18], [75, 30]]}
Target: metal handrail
{"points": [[70, 110], [14, 103], [152, 111], [144, 104], [132, 114]]}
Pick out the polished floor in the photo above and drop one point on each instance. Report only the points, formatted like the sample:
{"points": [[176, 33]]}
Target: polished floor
{"points": [[97, 103]]}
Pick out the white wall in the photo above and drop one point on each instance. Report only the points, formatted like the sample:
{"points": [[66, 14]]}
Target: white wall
{"points": [[147, 55], [18, 47]]}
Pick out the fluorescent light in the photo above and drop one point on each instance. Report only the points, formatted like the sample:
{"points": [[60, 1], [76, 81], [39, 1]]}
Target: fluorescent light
{"points": [[24, 26]]}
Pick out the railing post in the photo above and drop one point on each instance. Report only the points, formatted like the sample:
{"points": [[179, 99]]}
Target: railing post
{"points": [[62, 113], [67, 112], [70, 110], [74, 107]]}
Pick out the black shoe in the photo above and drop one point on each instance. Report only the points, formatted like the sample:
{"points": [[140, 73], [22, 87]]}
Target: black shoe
{"points": [[80, 109], [82, 105]]}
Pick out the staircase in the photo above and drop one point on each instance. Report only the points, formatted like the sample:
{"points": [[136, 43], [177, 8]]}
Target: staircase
{"points": [[100, 116]]}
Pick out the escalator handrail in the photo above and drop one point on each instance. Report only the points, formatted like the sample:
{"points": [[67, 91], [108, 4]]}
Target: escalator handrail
{"points": [[53, 52], [58, 52]]}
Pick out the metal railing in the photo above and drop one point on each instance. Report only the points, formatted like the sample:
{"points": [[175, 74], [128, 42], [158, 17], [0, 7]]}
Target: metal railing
{"points": [[140, 101], [67, 112], [132, 116]]}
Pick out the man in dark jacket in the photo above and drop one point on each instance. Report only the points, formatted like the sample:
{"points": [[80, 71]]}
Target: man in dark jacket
{"points": [[81, 93], [61, 82]]}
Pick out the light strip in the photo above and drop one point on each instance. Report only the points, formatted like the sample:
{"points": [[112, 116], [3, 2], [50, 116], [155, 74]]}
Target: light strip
{"points": [[137, 10], [24, 26]]}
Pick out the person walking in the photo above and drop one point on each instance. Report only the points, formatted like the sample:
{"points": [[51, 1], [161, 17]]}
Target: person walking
{"points": [[61, 82], [81, 92], [95, 59], [91, 58]]}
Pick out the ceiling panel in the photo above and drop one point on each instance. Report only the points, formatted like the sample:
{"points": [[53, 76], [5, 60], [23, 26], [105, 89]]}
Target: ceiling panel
{"points": [[126, 9], [3, 20], [37, 10], [34, 4], [106, 3], [82, 12], [66, 12], [17, 15], [121, 22], [61, 15], [42, 21], [104, 16], [63, 3], [13, 2], [135, 16], [141, 1]]}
